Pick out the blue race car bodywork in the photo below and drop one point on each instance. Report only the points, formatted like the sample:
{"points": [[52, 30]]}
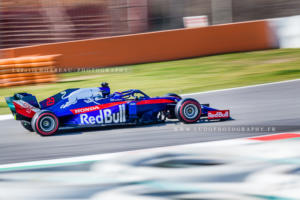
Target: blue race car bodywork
{"points": [[88, 107]]}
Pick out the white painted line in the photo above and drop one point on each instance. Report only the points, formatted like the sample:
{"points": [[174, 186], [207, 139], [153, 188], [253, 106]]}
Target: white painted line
{"points": [[6, 117], [243, 87]]}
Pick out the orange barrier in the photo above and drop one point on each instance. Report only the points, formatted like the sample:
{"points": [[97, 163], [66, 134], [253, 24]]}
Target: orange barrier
{"points": [[27, 70], [156, 46]]}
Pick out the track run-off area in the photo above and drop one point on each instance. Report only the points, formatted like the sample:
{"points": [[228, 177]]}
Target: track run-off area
{"points": [[256, 110]]}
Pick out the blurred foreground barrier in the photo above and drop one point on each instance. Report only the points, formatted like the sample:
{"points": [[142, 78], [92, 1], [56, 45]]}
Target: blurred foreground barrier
{"points": [[156, 46], [27, 70]]}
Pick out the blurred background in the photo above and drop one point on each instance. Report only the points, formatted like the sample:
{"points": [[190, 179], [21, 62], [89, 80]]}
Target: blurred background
{"points": [[180, 61], [30, 22], [269, 25]]}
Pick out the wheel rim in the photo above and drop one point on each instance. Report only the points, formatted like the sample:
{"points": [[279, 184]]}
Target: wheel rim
{"points": [[190, 111], [47, 124]]}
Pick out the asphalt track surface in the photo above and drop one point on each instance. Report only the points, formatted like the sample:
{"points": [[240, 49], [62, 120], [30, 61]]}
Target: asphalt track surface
{"points": [[259, 110]]}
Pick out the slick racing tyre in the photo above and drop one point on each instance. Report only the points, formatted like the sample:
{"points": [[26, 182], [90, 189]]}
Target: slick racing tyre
{"points": [[45, 123], [188, 110], [27, 126]]}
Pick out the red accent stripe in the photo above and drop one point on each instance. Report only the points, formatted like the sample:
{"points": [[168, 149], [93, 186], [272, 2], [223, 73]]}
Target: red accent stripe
{"points": [[96, 107], [276, 137], [154, 101], [107, 105]]}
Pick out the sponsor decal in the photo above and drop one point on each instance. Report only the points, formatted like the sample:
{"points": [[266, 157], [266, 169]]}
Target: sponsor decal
{"points": [[50, 101], [89, 95], [218, 114], [96, 107], [105, 116], [25, 108]]}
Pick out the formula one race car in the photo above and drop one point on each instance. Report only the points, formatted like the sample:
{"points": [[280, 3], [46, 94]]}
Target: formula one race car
{"points": [[89, 107]]}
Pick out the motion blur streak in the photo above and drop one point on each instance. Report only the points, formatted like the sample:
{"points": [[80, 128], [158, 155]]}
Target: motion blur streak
{"points": [[234, 169]]}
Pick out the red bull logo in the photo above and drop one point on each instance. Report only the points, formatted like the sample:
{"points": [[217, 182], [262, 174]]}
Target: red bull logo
{"points": [[105, 116], [89, 95], [220, 114]]}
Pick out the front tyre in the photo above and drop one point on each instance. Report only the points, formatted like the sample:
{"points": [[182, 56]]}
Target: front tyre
{"points": [[45, 123], [188, 110]]}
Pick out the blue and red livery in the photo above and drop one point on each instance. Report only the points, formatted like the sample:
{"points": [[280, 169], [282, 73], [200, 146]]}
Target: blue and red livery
{"points": [[90, 107]]}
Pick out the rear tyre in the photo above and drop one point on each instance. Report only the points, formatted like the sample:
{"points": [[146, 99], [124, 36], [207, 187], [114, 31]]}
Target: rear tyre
{"points": [[27, 126], [45, 123], [188, 110]]}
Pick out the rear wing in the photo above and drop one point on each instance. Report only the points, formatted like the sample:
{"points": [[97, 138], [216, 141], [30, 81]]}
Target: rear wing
{"points": [[23, 106]]}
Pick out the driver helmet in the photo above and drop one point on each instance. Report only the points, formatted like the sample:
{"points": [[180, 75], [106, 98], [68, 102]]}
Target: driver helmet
{"points": [[105, 89]]}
